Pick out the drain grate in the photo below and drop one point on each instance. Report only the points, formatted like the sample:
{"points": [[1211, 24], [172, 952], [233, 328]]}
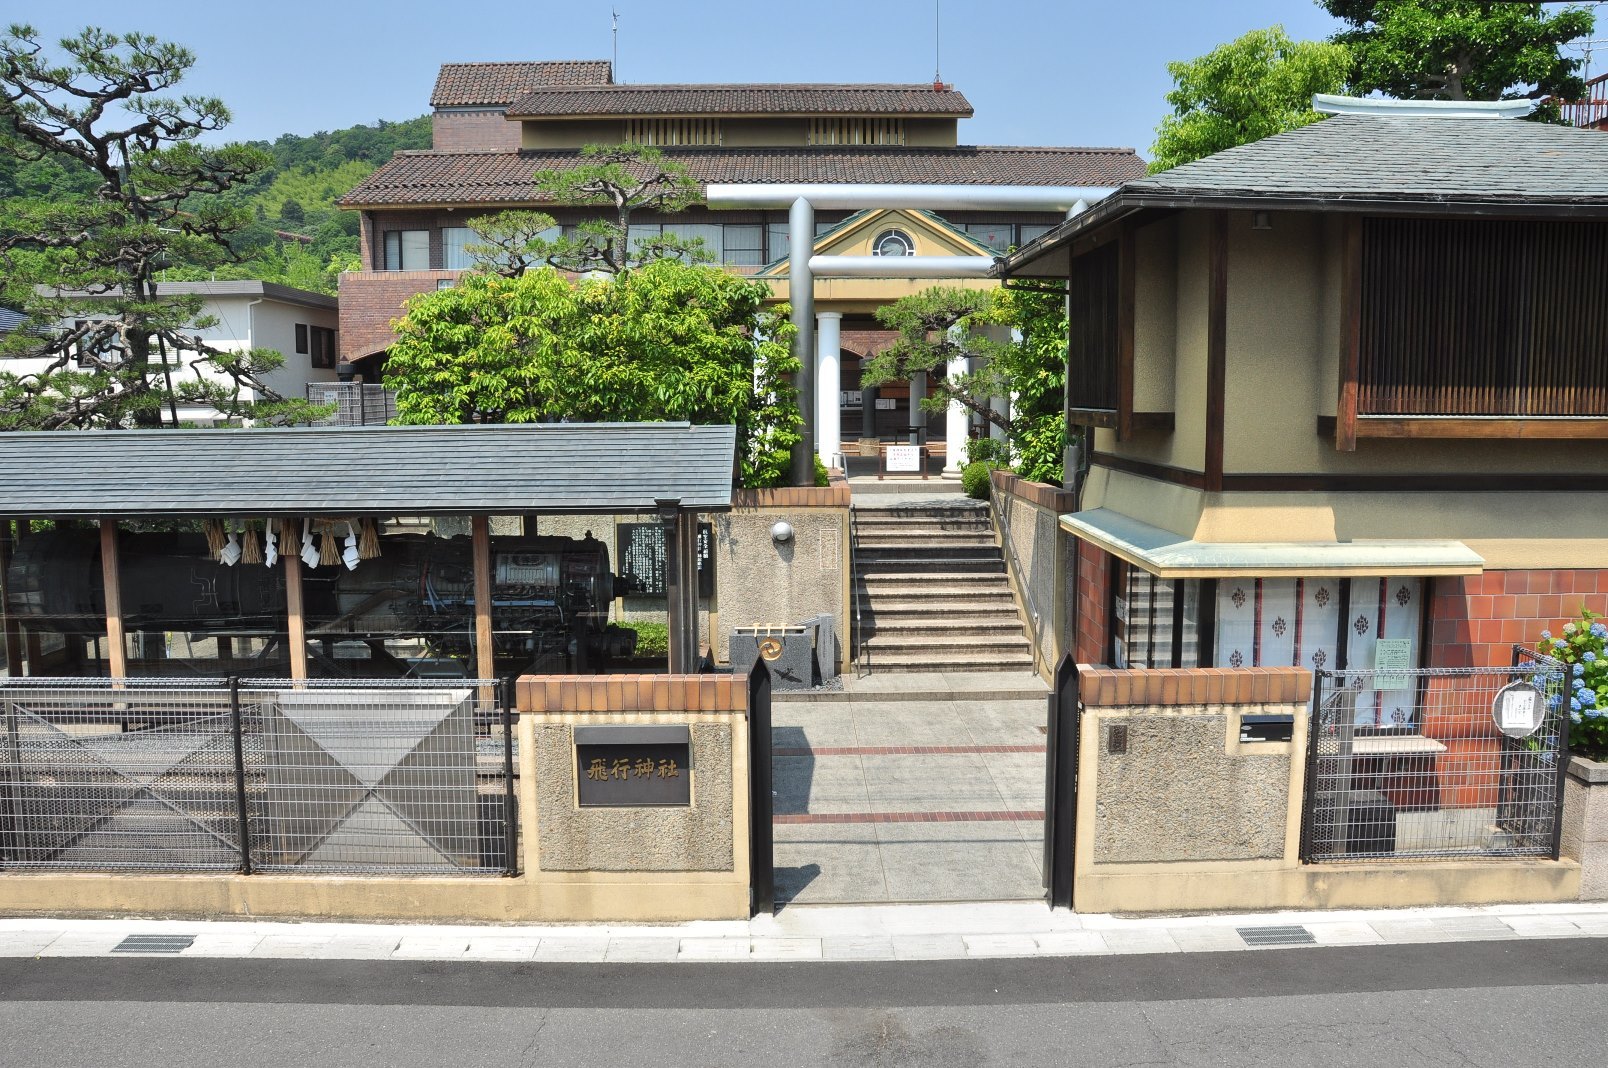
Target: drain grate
{"points": [[1292, 935], [154, 943]]}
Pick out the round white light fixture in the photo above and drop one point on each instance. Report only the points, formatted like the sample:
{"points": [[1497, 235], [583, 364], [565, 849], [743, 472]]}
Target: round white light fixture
{"points": [[781, 531]]}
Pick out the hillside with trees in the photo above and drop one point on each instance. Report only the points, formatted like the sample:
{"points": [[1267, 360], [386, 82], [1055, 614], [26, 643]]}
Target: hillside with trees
{"points": [[295, 235]]}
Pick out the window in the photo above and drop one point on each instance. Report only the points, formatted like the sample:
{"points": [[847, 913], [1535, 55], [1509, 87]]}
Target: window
{"points": [[856, 130], [678, 131], [322, 345], [1324, 624], [1091, 358], [1483, 317], [1316, 623], [997, 236], [711, 234], [743, 245], [406, 250], [893, 243], [301, 338], [454, 252], [1155, 623]]}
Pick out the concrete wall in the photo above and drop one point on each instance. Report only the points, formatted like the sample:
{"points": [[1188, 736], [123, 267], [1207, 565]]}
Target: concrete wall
{"points": [[608, 864], [761, 582], [1192, 819], [1039, 559], [1585, 824]]}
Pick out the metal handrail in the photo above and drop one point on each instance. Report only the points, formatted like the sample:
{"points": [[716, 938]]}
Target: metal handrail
{"points": [[862, 652]]}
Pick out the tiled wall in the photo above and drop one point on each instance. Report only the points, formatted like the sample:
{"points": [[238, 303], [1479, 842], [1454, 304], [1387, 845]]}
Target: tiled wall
{"points": [[1094, 599], [1478, 619]]}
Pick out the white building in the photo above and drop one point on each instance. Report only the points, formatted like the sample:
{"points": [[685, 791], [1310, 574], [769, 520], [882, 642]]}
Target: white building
{"points": [[299, 324]]}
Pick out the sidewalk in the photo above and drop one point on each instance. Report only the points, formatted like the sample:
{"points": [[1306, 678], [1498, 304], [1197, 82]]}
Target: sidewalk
{"points": [[832, 933]]}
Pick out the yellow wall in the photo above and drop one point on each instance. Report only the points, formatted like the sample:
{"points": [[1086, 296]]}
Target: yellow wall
{"points": [[760, 133], [571, 133], [931, 132]]}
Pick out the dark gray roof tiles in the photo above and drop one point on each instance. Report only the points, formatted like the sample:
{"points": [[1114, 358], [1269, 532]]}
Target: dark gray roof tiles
{"points": [[1376, 157], [342, 471], [505, 177]]}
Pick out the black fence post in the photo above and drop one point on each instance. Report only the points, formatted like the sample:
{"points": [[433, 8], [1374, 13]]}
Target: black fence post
{"points": [[510, 800], [1061, 791], [242, 812], [761, 803], [1557, 676], [1308, 785]]}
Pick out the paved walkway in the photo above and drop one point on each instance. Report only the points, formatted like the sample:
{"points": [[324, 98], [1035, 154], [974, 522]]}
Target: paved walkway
{"points": [[864, 933], [909, 801]]}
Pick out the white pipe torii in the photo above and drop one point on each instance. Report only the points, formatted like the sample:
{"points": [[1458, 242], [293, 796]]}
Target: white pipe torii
{"points": [[802, 198]]}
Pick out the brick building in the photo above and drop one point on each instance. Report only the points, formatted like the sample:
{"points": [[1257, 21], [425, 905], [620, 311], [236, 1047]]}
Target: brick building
{"points": [[495, 124]]}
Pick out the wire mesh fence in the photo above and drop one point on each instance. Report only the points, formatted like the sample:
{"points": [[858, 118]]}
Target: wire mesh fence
{"points": [[1417, 763], [272, 775]]}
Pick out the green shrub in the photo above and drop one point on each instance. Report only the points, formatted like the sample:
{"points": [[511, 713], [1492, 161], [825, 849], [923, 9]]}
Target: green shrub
{"points": [[987, 450], [821, 477], [653, 639], [975, 479]]}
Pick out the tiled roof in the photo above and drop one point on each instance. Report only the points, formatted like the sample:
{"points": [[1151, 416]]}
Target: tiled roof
{"points": [[499, 84], [1397, 158], [505, 177], [741, 100]]}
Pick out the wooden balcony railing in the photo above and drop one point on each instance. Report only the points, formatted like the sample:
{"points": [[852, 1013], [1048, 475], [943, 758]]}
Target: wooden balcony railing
{"points": [[1592, 109]]}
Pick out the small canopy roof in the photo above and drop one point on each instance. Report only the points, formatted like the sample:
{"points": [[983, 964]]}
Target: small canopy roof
{"points": [[384, 470], [1173, 556]]}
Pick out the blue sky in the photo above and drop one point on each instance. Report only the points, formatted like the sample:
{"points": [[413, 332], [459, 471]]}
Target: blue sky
{"points": [[1037, 71]]}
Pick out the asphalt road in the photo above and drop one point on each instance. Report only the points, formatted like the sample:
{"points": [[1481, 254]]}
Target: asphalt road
{"points": [[1475, 1003]]}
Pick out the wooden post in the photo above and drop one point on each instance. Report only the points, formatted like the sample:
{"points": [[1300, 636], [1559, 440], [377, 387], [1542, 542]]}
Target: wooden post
{"points": [[1345, 420], [485, 653], [112, 582], [1216, 348], [675, 589], [293, 611]]}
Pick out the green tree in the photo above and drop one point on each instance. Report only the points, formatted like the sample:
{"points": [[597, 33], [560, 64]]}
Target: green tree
{"points": [[668, 340], [1463, 49], [1255, 86], [512, 242], [91, 260], [623, 179], [941, 324]]}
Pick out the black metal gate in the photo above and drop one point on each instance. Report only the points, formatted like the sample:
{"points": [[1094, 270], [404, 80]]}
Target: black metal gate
{"points": [[761, 800], [1407, 763], [1061, 783]]}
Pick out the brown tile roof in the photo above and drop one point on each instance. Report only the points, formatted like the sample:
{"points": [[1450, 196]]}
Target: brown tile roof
{"points": [[504, 177], [499, 84], [756, 99]]}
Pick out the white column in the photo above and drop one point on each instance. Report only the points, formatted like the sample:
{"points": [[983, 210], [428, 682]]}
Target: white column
{"points": [[955, 426], [828, 387]]}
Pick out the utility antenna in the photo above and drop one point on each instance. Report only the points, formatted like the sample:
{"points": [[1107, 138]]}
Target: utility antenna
{"points": [[937, 64], [614, 34]]}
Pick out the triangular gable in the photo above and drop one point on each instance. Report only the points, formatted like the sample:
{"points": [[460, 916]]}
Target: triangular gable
{"points": [[932, 234]]}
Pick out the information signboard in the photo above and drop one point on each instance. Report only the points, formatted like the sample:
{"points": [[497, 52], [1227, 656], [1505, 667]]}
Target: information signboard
{"points": [[904, 458], [642, 558], [1518, 709]]}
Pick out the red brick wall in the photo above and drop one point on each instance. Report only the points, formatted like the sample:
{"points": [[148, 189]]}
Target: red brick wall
{"points": [[370, 300], [473, 131], [1475, 622], [1478, 619], [1094, 599]]}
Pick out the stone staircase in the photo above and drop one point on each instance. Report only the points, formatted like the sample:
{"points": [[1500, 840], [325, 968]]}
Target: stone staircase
{"points": [[932, 589]]}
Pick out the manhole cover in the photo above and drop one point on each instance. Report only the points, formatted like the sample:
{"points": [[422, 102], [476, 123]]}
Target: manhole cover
{"points": [[156, 943], [1293, 935]]}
